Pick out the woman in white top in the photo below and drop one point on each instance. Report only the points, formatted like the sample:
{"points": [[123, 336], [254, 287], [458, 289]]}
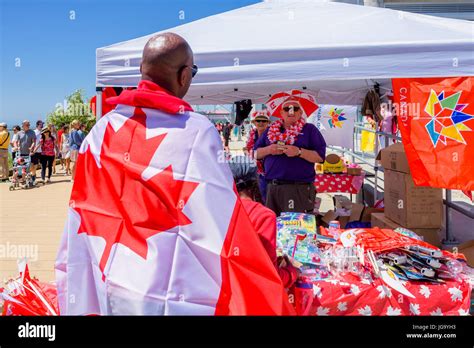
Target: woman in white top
{"points": [[65, 150]]}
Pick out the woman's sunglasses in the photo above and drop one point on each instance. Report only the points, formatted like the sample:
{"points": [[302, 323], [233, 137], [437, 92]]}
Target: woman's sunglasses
{"points": [[288, 108], [261, 121]]}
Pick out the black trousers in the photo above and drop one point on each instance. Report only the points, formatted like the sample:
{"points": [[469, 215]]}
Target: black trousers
{"points": [[297, 198], [46, 162]]}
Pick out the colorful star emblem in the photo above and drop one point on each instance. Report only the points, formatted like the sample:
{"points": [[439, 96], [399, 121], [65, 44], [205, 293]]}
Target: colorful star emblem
{"points": [[447, 119], [337, 118]]}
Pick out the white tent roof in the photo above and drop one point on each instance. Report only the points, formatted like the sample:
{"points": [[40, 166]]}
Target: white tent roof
{"points": [[333, 49]]}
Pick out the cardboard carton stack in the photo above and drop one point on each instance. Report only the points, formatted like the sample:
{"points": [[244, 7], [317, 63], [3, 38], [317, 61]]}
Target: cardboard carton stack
{"points": [[417, 208]]}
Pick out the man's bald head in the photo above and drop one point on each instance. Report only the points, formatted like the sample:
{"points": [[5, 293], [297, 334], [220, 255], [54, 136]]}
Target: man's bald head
{"points": [[167, 60]]}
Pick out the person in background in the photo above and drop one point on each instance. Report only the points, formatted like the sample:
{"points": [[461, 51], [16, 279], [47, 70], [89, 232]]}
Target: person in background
{"points": [[26, 140], [54, 134], [48, 148], [75, 141], [4, 143], [16, 130], [82, 130], [261, 121], [36, 155], [236, 130], [290, 147], [226, 134], [262, 218], [65, 149], [59, 140]]}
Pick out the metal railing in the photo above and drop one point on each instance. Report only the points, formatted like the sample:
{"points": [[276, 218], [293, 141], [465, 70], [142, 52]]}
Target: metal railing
{"points": [[370, 160]]}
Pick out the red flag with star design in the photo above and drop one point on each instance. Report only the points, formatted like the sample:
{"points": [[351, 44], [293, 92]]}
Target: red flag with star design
{"points": [[436, 120]]}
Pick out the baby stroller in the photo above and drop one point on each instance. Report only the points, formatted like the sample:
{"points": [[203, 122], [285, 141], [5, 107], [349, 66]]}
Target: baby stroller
{"points": [[21, 173]]}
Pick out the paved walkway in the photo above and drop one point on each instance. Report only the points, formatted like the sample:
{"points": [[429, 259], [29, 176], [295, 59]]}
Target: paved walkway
{"points": [[31, 223]]}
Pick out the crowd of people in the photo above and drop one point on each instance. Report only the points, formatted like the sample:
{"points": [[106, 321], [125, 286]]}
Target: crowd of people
{"points": [[43, 146]]}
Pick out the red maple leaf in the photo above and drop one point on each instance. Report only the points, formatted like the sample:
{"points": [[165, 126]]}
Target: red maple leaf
{"points": [[113, 200]]}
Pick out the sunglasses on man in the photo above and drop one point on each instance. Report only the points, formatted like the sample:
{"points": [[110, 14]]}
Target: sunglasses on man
{"points": [[194, 69], [288, 108], [261, 121]]}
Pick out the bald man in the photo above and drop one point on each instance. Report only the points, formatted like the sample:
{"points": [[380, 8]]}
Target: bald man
{"points": [[154, 224], [168, 61]]}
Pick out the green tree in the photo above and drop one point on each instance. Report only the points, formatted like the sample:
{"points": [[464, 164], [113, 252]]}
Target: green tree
{"points": [[75, 107]]}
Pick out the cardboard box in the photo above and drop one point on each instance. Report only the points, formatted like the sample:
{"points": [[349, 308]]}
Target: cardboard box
{"points": [[329, 216], [354, 171], [430, 235], [380, 220], [409, 205], [467, 249], [341, 201], [356, 212], [393, 157], [341, 214], [367, 213]]}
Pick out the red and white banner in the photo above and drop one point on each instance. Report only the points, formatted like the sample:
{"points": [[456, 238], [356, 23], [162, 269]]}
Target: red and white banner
{"points": [[155, 226]]}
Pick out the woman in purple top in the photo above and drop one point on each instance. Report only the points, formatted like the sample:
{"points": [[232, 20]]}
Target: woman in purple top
{"points": [[290, 147]]}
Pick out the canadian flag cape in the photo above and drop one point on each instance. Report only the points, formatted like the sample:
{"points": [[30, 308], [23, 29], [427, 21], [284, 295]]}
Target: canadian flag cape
{"points": [[154, 224]]}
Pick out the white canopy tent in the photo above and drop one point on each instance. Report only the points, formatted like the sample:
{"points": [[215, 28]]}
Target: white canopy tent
{"points": [[334, 50]]}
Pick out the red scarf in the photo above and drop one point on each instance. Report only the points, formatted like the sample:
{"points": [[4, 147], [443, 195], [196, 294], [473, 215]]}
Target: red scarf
{"points": [[289, 136], [150, 95]]}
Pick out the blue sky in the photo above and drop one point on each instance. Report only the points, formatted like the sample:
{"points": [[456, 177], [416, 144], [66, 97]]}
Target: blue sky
{"points": [[56, 52]]}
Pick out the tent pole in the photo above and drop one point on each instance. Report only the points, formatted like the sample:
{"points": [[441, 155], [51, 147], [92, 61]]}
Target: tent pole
{"points": [[98, 106], [376, 167]]}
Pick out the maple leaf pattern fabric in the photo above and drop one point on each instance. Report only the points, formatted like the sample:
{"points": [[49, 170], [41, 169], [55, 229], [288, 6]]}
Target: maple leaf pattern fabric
{"points": [[120, 200], [366, 311], [393, 311], [322, 311], [415, 308], [155, 226], [378, 299], [342, 306]]}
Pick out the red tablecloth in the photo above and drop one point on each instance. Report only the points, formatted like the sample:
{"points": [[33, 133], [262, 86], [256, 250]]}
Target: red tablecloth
{"points": [[338, 183], [353, 297]]}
